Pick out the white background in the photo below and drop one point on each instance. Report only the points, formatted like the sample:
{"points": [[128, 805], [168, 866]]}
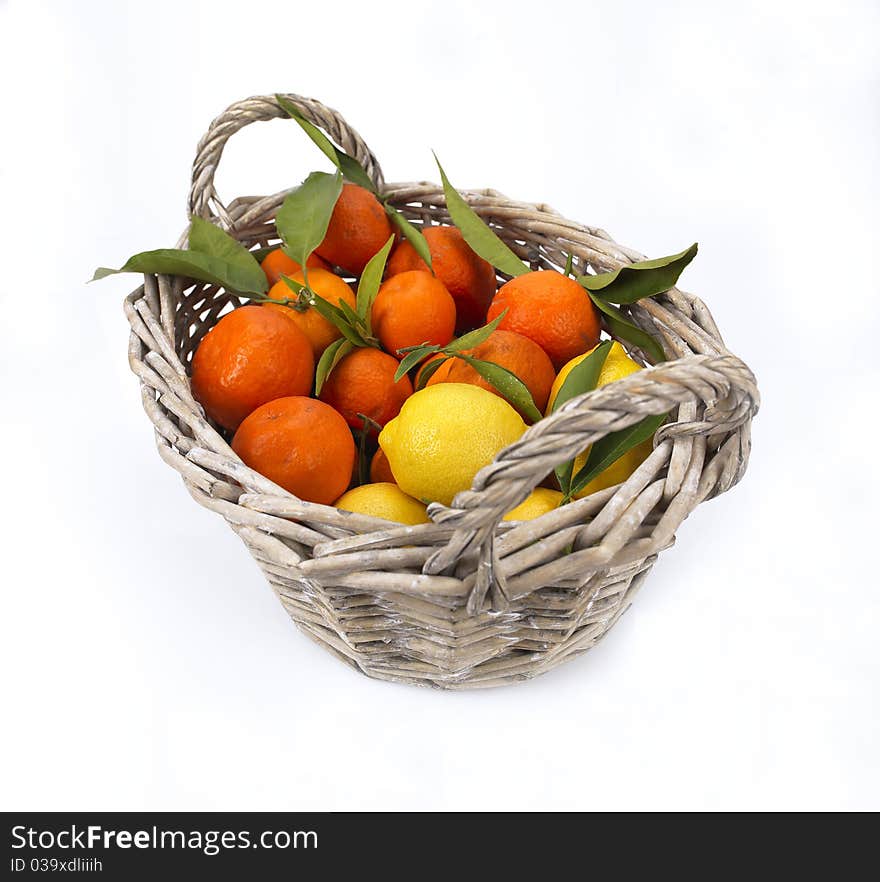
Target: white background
{"points": [[147, 665]]}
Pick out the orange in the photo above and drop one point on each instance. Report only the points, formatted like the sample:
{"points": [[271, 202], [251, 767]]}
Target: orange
{"points": [[551, 309], [521, 356], [358, 229], [363, 382], [277, 264], [320, 332], [468, 278], [249, 357], [380, 469], [413, 308], [301, 444]]}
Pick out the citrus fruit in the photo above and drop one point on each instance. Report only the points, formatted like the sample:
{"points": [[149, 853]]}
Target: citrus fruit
{"points": [[616, 366], [249, 357], [468, 278], [551, 309], [383, 500], [444, 435], [537, 503], [358, 229], [521, 356], [301, 444], [413, 308], [380, 470], [330, 287], [363, 382], [277, 264]]}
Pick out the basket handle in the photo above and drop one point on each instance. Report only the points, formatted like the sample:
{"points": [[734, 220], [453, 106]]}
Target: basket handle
{"points": [[723, 383], [203, 199]]}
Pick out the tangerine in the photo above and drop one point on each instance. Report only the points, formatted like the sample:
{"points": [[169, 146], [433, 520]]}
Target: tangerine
{"points": [[413, 308]]}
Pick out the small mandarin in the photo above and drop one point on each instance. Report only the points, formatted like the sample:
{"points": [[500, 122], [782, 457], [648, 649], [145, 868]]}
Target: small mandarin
{"points": [[320, 332], [359, 227], [301, 444], [468, 278], [413, 308], [551, 309], [363, 383], [249, 357], [277, 264]]}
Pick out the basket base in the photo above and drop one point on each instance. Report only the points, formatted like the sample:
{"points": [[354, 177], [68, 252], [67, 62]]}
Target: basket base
{"points": [[430, 642]]}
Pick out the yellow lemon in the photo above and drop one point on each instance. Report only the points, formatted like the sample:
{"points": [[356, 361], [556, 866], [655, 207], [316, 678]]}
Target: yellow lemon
{"points": [[444, 435], [383, 500], [617, 365], [538, 502]]}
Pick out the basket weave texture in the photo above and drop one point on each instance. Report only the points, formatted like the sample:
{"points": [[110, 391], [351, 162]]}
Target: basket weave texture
{"points": [[467, 600]]}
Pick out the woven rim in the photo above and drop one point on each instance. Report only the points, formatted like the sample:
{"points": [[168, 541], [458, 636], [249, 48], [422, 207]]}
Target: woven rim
{"points": [[466, 550]]}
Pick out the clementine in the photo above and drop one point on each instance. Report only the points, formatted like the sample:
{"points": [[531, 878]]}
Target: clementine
{"points": [[468, 278], [363, 382], [551, 309], [412, 308], [277, 264], [330, 287], [249, 357], [301, 444], [358, 229], [520, 355]]}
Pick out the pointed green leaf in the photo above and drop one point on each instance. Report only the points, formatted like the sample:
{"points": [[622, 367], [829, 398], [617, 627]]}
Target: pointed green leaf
{"points": [[477, 232], [233, 275], [295, 286], [208, 238], [583, 376], [412, 358], [412, 233], [304, 215], [507, 383], [337, 318], [330, 357], [646, 278], [428, 371], [474, 338], [371, 279], [621, 326], [606, 451], [348, 165], [569, 261], [260, 254], [351, 316]]}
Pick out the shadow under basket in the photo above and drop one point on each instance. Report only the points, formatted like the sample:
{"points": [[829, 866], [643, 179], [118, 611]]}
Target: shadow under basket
{"points": [[468, 600]]}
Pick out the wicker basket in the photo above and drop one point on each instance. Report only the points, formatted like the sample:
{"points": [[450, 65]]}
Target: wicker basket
{"points": [[467, 600]]}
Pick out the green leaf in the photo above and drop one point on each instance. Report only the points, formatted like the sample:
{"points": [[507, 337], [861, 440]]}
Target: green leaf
{"points": [[606, 451], [428, 371], [330, 357], [645, 278], [260, 254], [296, 287], [412, 358], [337, 318], [507, 383], [348, 165], [412, 233], [351, 316], [569, 261], [477, 233], [304, 215], [621, 326], [474, 338], [583, 376], [208, 238], [233, 275], [368, 286]]}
